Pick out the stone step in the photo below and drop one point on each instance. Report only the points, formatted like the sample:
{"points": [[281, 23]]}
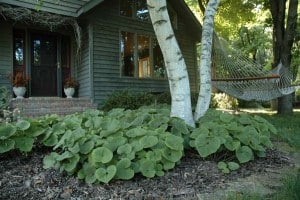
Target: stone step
{"points": [[39, 106]]}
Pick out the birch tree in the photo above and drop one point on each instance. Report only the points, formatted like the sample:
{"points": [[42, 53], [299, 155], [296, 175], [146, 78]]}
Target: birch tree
{"points": [[205, 59], [175, 64]]}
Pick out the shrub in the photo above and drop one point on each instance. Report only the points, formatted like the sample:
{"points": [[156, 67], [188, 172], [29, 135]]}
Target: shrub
{"points": [[242, 134], [223, 101], [100, 147], [127, 99], [4, 98], [297, 96]]}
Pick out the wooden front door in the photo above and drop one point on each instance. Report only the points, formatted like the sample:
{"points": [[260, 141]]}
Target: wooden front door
{"points": [[44, 65]]}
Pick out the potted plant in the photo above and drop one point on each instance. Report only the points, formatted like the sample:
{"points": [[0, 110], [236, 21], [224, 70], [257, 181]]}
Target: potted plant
{"points": [[70, 84], [19, 82]]}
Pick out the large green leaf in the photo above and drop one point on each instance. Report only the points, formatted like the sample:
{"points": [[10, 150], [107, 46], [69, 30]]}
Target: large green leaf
{"points": [[23, 125], [167, 165], [105, 175], [112, 143], [154, 155], [244, 119], [199, 131], [148, 141], [102, 155], [86, 147], [24, 144], [136, 132], [49, 160], [124, 170], [109, 126], [148, 168], [233, 165], [207, 145], [124, 149], [52, 140], [226, 117], [172, 155], [174, 142], [64, 155], [232, 144], [244, 154], [34, 131], [71, 163], [7, 131], [6, 145], [179, 127]]}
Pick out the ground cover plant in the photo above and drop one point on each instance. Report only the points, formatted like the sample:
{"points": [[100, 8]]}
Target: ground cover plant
{"points": [[101, 146]]}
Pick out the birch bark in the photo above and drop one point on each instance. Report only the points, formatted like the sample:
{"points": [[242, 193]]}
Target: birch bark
{"points": [[205, 60], [174, 61]]}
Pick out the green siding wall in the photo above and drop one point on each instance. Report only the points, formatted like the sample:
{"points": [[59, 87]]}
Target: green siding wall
{"points": [[6, 60], [83, 69], [107, 25]]}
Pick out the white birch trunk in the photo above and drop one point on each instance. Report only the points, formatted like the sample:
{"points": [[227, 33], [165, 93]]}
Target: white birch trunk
{"points": [[175, 64], [205, 60]]}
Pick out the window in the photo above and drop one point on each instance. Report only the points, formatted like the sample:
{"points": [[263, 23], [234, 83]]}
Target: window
{"points": [[158, 61], [135, 9], [141, 56], [19, 51], [127, 53]]}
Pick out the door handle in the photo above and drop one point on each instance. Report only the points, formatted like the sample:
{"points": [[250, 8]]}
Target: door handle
{"points": [[58, 65]]}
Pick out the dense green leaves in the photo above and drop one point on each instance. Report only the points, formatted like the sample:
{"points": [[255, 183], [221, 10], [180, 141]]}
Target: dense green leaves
{"points": [[98, 151]]}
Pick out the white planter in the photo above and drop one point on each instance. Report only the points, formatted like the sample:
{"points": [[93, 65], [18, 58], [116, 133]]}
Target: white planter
{"points": [[69, 92], [19, 92]]}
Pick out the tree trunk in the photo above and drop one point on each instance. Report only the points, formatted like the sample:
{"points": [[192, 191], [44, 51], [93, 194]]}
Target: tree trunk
{"points": [[205, 60], [175, 64], [283, 38]]}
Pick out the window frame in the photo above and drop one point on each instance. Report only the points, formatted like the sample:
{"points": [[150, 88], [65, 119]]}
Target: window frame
{"points": [[136, 57], [20, 34]]}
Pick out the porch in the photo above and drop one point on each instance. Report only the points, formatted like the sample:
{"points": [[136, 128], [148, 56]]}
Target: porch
{"points": [[39, 106]]}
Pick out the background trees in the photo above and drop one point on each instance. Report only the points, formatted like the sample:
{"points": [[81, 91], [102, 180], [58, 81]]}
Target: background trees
{"points": [[255, 26]]}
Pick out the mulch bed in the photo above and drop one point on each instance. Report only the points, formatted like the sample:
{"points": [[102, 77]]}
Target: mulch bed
{"points": [[23, 177]]}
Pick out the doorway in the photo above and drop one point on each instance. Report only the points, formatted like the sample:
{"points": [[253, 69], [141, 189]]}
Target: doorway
{"points": [[44, 74]]}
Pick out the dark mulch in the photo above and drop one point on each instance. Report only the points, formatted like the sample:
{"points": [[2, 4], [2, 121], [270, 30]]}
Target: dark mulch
{"points": [[23, 177]]}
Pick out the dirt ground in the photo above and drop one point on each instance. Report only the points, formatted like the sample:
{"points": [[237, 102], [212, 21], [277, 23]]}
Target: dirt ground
{"points": [[23, 177]]}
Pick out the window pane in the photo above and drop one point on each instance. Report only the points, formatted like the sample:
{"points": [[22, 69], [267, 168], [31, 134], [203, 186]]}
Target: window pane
{"points": [[158, 59], [144, 56], [126, 7], [142, 12], [37, 52], [19, 49], [127, 53]]}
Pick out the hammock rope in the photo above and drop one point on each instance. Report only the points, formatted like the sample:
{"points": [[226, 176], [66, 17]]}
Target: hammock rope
{"points": [[243, 78]]}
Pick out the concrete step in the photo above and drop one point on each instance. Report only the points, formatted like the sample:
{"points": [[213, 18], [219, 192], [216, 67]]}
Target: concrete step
{"points": [[38, 106]]}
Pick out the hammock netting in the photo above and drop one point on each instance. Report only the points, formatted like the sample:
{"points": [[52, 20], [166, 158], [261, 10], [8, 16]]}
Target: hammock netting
{"points": [[243, 78]]}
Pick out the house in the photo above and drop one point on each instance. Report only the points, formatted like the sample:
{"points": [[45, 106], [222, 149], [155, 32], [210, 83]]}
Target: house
{"points": [[118, 47]]}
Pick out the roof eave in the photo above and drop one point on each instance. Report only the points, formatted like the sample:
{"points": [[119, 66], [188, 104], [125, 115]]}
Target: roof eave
{"points": [[88, 6]]}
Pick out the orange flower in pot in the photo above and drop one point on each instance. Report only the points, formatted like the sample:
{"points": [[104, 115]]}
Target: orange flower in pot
{"points": [[70, 84], [19, 82]]}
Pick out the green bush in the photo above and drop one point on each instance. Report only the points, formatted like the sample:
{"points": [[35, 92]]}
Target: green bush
{"points": [[242, 134], [4, 98], [297, 96], [223, 101], [127, 99], [99, 146]]}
